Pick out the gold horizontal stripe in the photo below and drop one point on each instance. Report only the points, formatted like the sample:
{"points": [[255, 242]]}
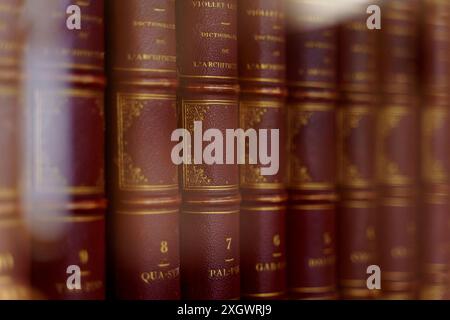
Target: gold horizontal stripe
{"points": [[210, 212], [149, 188], [313, 94], [10, 223], [312, 84], [260, 103], [272, 208], [82, 205], [6, 193], [271, 80], [211, 188], [146, 96], [263, 295], [263, 198], [315, 186], [261, 186], [84, 79], [167, 201], [323, 289], [233, 200], [206, 77], [315, 197], [8, 91], [74, 219], [149, 83], [319, 107], [362, 293], [144, 70], [78, 66], [208, 102], [146, 212]]}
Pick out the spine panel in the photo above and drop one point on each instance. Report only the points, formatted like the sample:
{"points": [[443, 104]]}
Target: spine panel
{"points": [[145, 208], [312, 156], [262, 67], [207, 65]]}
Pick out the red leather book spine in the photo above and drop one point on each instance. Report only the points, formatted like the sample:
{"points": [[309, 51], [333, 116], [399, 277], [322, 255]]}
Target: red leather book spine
{"points": [[397, 153], [14, 243], [356, 155], [208, 71], [311, 74], [262, 67], [142, 96], [65, 132], [435, 150]]}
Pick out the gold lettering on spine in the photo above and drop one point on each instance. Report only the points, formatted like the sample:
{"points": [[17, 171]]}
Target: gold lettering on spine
{"points": [[213, 5], [223, 272], [215, 65]]}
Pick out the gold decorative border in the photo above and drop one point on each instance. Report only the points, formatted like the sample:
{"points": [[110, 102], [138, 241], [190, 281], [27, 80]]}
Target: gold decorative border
{"points": [[40, 104], [184, 104], [257, 104], [121, 97]]}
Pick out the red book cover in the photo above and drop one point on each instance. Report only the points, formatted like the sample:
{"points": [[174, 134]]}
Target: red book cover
{"points": [[397, 150], [65, 147], [208, 95], [14, 242], [142, 99], [311, 217], [356, 155], [262, 68], [435, 151]]}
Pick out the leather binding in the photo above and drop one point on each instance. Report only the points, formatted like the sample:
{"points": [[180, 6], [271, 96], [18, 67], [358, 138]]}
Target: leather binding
{"points": [[435, 150], [208, 72], [262, 67], [142, 96], [65, 147], [397, 150], [356, 155], [14, 242], [311, 74]]}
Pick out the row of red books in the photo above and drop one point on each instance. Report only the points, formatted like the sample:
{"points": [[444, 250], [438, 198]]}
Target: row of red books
{"points": [[92, 91]]}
